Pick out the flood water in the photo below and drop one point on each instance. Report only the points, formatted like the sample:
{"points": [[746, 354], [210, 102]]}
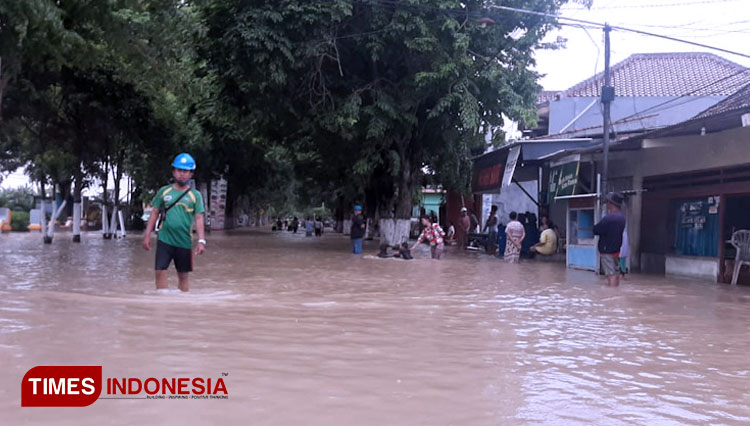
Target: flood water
{"points": [[308, 334]]}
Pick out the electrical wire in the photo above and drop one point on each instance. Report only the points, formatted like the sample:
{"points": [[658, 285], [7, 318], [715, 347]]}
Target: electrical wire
{"points": [[392, 3], [633, 6], [620, 28], [658, 107]]}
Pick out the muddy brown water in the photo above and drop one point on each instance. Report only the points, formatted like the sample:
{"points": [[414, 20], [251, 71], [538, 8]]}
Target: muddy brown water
{"points": [[311, 335]]}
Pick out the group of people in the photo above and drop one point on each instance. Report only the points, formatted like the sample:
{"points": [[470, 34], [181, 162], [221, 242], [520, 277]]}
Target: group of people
{"points": [[311, 225], [611, 230], [519, 238], [431, 232], [179, 206]]}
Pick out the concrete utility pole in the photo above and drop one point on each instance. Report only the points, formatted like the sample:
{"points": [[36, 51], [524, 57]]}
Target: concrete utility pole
{"points": [[608, 95]]}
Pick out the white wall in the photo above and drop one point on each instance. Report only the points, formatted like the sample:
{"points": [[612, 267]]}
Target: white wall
{"points": [[510, 199], [686, 153]]}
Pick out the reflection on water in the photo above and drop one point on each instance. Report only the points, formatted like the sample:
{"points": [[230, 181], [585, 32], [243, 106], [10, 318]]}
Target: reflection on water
{"points": [[310, 334]]}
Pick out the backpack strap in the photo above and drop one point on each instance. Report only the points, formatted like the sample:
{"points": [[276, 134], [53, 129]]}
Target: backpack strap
{"points": [[177, 200]]}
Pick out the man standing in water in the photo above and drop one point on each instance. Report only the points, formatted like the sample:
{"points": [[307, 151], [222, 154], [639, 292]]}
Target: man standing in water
{"points": [[491, 224], [179, 204], [610, 230], [463, 227], [357, 231]]}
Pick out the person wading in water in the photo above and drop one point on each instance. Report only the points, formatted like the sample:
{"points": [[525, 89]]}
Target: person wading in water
{"points": [[177, 205]]}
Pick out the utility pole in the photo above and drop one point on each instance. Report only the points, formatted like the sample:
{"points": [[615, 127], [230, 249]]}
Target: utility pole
{"points": [[608, 95]]}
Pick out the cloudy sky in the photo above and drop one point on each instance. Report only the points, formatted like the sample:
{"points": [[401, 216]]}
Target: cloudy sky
{"points": [[719, 23]]}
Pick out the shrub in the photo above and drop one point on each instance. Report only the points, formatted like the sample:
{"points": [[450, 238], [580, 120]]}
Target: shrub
{"points": [[19, 221]]}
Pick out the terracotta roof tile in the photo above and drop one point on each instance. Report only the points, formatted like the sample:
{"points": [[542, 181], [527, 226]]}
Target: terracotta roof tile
{"points": [[668, 74], [739, 100]]}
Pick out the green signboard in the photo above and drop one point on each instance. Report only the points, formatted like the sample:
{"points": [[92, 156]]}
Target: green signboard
{"points": [[563, 178]]}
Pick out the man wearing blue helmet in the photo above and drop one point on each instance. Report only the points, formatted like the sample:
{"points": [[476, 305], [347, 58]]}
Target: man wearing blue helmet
{"points": [[177, 205]]}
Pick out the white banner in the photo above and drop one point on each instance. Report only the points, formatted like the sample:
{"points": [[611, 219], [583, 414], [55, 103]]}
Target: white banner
{"points": [[510, 165]]}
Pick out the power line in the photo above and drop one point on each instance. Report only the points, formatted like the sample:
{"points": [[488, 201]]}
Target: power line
{"points": [[688, 26], [634, 6], [578, 23], [620, 28], [591, 24], [392, 3]]}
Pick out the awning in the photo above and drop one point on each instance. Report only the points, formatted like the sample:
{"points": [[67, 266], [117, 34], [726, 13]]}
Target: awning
{"points": [[489, 168]]}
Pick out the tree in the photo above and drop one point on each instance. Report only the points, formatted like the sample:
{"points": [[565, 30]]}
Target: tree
{"points": [[17, 199], [372, 94], [97, 87]]}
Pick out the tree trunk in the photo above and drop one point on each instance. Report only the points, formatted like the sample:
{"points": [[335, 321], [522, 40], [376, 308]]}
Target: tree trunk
{"points": [[77, 204], [3, 85], [105, 181], [118, 176], [395, 230]]}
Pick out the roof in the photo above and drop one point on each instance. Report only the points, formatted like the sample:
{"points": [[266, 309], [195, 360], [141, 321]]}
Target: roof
{"points": [[532, 150], [668, 74], [725, 115], [739, 100], [547, 95]]}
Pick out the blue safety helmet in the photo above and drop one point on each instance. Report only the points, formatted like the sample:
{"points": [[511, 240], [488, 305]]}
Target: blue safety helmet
{"points": [[357, 207], [184, 161]]}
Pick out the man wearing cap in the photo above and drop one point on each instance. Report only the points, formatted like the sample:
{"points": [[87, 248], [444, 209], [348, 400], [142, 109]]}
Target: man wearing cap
{"points": [[357, 231], [178, 204], [610, 230]]}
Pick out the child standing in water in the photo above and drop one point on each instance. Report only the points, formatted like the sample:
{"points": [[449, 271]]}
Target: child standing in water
{"points": [[403, 251]]}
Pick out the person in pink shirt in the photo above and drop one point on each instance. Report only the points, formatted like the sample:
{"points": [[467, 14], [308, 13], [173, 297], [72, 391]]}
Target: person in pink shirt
{"points": [[433, 233]]}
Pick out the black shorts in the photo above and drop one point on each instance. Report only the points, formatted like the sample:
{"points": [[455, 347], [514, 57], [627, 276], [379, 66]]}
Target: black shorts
{"points": [[183, 257]]}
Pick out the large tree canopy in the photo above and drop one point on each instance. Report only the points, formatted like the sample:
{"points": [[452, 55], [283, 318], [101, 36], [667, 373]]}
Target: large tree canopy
{"points": [[371, 96], [94, 86], [296, 102]]}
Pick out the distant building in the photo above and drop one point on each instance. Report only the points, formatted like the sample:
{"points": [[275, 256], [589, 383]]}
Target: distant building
{"points": [[652, 90]]}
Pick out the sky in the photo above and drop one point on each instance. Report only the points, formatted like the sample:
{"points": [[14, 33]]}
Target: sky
{"points": [[719, 23]]}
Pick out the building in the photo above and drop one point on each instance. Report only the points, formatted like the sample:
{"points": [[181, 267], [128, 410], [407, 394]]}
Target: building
{"points": [[652, 91], [692, 183], [677, 145], [688, 188]]}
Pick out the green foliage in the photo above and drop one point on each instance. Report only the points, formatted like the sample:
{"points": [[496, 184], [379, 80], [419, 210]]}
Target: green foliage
{"points": [[369, 94], [295, 102], [17, 199], [19, 221], [97, 87]]}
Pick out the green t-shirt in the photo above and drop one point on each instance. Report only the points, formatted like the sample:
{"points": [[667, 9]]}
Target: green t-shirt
{"points": [[177, 229]]}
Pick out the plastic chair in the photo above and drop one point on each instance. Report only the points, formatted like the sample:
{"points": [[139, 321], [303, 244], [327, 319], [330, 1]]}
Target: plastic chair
{"points": [[740, 241]]}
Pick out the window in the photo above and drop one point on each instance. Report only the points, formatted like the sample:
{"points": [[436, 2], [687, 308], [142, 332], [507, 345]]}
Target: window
{"points": [[581, 227]]}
